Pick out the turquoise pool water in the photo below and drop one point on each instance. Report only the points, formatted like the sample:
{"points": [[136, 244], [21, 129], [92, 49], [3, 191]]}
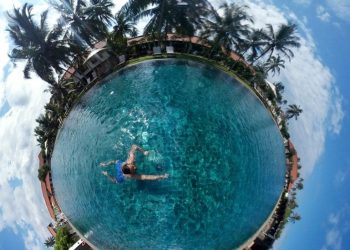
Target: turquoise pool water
{"points": [[219, 145]]}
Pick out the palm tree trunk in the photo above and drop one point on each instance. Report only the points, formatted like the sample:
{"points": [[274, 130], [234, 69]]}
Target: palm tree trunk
{"points": [[270, 55], [162, 3], [262, 54]]}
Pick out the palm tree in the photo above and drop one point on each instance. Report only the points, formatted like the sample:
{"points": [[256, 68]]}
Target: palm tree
{"points": [[41, 136], [279, 87], [84, 23], [283, 40], [73, 20], [43, 49], [134, 33], [274, 64], [292, 203], [253, 43], [293, 111], [125, 24], [299, 184], [169, 15], [49, 242], [279, 91], [99, 12], [227, 31], [294, 217]]}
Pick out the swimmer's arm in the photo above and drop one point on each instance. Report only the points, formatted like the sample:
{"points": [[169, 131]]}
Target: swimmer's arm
{"points": [[143, 177], [103, 164], [135, 147]]}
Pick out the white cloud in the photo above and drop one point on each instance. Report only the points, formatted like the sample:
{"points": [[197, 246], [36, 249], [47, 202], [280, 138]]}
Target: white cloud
{"points": [[22, 207], [333, 219], [341, 176], [338, 227], [308, 83], [302, 2], [334, 239], [341, 8], [337, 113], [322, 14]]}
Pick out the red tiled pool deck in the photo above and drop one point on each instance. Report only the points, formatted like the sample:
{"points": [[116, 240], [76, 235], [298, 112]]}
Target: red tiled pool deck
{"points": [[46, 189], [294, 170]]}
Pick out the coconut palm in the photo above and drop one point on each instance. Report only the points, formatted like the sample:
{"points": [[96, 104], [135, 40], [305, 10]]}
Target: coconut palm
{"points": [[58, 91], [293, 111], [299, 185], [254, 43], [134, 33], [227, 31], [49, 242], [84, 23], [274, 64], [293, 217], [99, 12], [41, 136], [292, 203], [43, 49], [279, 91], [46, 129], [169, 15], [73, 20], [279, 87], [283, 40], [125, 25]]}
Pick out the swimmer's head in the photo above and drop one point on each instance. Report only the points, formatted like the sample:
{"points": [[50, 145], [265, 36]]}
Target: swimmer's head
{"points": [[129, 168]]}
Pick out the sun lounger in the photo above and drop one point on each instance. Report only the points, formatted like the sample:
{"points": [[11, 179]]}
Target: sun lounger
{"points": [[157, 51], [170, 50], [121, 59], [94, 75]]}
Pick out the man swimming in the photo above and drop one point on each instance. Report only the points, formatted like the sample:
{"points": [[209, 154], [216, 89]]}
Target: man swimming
{"points": [[128, 168]]}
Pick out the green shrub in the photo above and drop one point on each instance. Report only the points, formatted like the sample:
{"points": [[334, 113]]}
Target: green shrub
{"points": [[42, 172], [63, 240]]}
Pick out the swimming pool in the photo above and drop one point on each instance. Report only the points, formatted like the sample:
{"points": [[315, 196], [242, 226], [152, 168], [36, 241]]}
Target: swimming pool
{"points": [[219, 145]]}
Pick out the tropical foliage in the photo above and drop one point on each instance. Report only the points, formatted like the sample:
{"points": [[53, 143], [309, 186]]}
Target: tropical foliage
{"points": [[274, 64], [83, 22], [283, 40], [63, 240], [293, 111], [50, 241], [168, 16], [42, 48], [42, 172], [228, 30]]}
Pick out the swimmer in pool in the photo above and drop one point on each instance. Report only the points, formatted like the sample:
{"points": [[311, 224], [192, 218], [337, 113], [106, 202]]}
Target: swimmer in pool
{"points": [[128, 168]]}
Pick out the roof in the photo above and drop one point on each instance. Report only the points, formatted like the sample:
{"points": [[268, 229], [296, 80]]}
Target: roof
{"points": [[170, 37], [51, 230], [94, 52], [100, 44], [272, 86]]}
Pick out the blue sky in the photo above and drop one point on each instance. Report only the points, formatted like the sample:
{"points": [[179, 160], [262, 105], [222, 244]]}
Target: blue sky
{"points": [[317, 79]]}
